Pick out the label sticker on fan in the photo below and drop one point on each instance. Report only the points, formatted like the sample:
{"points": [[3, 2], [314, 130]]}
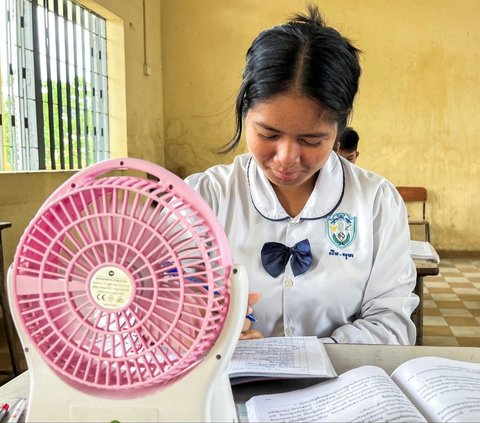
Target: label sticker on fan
{"points": [[111, 288]]}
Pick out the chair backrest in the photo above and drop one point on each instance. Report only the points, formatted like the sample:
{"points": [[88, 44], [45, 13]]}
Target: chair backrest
{"points": [[413, 193], [416, 195]]}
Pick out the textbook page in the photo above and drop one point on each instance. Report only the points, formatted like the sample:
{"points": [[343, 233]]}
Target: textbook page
{"points": [[444, 390], [363, 394], [276, 357]]}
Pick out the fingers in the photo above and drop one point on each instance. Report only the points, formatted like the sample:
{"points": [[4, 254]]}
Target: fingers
{"points": [[251, 334], [246, 325], [253, 298]]}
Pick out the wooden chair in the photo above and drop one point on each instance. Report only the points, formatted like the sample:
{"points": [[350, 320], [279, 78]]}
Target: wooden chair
{"points": [[418, 195]]}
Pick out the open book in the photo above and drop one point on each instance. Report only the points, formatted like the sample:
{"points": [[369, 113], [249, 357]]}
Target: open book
{"points": [[419, 390], [423, 250], [279, 357]]}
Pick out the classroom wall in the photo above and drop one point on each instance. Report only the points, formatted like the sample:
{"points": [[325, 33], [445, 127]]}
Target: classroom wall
{"points": [[416, 111], [22, 194]]}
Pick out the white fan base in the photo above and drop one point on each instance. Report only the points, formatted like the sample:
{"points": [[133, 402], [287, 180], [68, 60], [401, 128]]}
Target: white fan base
{"points": [[202, 395]]}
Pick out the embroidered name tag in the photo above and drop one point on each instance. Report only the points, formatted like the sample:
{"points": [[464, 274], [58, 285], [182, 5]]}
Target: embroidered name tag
{"points": [[346, 256]]}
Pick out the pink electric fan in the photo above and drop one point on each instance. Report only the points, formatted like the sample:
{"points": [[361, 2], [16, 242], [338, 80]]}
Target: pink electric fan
{"points": [[126, 300]]}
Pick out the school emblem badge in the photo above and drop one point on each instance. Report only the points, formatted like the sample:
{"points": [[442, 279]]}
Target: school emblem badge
{"points": [[341, 229]]}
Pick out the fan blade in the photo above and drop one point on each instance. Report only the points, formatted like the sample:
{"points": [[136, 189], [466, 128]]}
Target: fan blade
{"points": [[28, 285]]}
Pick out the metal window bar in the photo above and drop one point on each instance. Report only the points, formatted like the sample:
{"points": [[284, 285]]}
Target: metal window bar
{"points": [[93, 62], [21, 120], [32, 147], [8, 107], [83, 49], [67, 29], [58, 25], [47, 76], [39, 118], [78, 126], [2, 113], [54, 110]]}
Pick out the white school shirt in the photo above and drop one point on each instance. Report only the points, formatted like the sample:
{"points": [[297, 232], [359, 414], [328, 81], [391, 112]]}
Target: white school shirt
{"points": [[359, 286]]}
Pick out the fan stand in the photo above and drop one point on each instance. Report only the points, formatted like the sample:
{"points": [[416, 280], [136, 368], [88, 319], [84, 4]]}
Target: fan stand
{"points": [[203, 394]]}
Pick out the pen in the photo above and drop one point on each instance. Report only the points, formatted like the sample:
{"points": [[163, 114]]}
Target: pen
{"points": [[3, 411], [251, 317], [16, 410]]}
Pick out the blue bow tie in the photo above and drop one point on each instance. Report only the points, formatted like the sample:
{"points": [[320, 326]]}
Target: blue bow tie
{"points": [[275, 257]]}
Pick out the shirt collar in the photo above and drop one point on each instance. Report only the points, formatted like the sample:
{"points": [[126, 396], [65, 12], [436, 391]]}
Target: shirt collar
{"points": [[323, 201]]}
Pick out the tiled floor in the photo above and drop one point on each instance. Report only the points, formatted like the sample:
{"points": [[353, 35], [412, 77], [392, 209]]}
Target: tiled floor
{"points": [[452, 304]]}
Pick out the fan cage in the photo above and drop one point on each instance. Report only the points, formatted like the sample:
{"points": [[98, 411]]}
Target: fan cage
{"points": [[122, 282]]}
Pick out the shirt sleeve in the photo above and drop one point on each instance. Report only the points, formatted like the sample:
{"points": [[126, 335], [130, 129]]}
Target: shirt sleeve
{"points": [[388, 300], [202, 183]]}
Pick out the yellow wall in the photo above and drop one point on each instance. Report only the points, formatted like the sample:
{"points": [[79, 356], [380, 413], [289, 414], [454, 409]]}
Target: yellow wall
{"points": [[417, 108], [144, 94], [137, 111], [416, 112]]}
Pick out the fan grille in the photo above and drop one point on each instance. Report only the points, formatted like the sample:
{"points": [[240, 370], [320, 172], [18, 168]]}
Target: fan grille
{"points": [[122, 282]]}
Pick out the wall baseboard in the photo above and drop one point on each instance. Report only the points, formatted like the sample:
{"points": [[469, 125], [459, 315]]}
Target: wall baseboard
{"points": [[458, 254]]}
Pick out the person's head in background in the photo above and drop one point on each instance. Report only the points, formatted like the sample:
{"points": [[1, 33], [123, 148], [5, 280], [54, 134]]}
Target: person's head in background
{"points": [[303, 69], [348, 145]]}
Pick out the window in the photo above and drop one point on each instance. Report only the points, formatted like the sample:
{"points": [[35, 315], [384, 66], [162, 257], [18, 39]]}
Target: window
{"points": [[53, 86]]}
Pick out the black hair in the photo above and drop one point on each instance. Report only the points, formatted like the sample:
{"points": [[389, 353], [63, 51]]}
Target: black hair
{"points": [[349, 139], [303, 56]]}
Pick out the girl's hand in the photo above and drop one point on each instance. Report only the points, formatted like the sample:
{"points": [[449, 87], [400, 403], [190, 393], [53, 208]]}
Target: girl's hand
{"points": [[248, 333]]}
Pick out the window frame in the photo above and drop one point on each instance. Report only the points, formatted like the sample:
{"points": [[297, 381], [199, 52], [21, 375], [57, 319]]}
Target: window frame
{"points": [[114, 123]]}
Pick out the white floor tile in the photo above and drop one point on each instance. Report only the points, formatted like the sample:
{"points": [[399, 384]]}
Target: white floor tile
{"points": [[429, 304], [447, 341], [455, 312], [444, 297], [455, 279], [466, 331], [449, 270], [434, 321], [472, 291], [436, 284], [472, 304]]}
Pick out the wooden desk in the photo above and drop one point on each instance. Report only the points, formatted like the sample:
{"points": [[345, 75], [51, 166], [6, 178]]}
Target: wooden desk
{"points": [[344, 357], [7, 317], [424, 268]]}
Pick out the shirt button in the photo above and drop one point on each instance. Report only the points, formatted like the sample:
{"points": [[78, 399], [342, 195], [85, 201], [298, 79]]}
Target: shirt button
{"points": [[288, 283], [289, 331]]}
